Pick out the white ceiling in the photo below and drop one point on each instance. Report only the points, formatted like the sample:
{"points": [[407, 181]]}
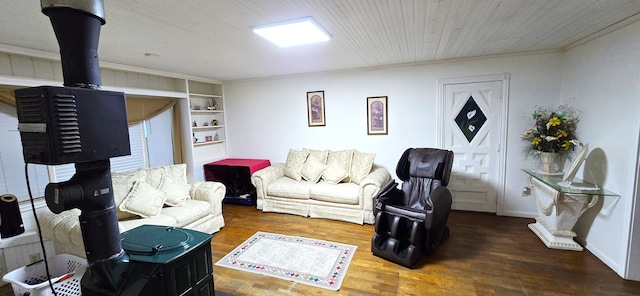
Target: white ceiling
{"points": [[212, 38]]}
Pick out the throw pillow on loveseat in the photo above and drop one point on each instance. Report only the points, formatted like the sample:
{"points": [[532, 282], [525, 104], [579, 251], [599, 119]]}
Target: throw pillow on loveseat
{"points": [[146, 191]]}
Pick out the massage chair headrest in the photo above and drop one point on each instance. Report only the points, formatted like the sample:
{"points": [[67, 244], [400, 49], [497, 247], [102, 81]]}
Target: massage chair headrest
{"points": [[425, 163]]}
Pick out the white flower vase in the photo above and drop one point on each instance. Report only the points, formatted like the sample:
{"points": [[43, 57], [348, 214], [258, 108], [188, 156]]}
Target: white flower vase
{"points": [[548, 163]]}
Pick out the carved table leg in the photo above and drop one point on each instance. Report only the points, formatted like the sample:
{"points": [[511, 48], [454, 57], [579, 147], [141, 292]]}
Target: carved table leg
{"points": [[557, 215]]}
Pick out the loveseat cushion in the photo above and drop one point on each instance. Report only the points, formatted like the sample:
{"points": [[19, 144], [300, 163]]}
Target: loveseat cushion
{"points": [[191, 210], [176, 191], [289, 188], [320, 155], [295, 162], [334, 174], [67, 224], [338, 162], [361, 164], [122, 183], [154, 176], [313, 169], [143, 200], [342, 193], [177, 172]]}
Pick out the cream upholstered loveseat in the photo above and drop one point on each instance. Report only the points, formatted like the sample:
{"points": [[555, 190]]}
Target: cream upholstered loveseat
{"points": [[157, 196], [339, 185]]}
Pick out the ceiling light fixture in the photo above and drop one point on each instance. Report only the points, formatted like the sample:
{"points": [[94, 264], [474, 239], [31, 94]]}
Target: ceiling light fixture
{"points": [[294, 32]]}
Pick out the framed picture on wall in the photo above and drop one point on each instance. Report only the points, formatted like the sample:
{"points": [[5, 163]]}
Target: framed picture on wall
{"points": [[377, 115], [315, 108]]}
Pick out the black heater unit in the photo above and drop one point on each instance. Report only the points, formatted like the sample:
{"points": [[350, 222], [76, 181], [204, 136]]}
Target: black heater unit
{"points": [[61, 125]]}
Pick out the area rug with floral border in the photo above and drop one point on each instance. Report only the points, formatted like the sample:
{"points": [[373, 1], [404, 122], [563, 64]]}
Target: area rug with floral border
{"points": [[308, 261]]}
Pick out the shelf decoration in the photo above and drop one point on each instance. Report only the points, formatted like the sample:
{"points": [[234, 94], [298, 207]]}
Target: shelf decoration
{"points": [[213, 105]]}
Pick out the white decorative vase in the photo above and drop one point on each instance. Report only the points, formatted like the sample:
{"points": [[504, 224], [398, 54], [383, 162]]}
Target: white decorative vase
{"points": [[548, 162]]}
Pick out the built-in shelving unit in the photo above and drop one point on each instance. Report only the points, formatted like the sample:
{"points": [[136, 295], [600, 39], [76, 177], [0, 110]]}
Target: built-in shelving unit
{"points": [[206, 122]]}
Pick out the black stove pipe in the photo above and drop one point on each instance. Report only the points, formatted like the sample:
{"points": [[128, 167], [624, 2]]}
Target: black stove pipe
{"points": [[77, 28], [76, 24]]}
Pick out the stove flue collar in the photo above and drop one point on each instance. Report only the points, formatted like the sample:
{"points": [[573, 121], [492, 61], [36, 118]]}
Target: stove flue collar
{"points": [[94, 7]]}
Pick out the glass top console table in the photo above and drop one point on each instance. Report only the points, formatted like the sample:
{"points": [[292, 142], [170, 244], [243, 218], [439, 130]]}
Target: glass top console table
{"points": [[560, 204]]}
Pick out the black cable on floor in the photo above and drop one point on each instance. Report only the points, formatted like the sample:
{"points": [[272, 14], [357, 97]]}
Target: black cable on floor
{"points": [[35, 216]]}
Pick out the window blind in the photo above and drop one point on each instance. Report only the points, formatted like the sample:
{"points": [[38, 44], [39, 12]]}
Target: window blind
{"points": [[150, 142], [118, 164], [12, 178]]}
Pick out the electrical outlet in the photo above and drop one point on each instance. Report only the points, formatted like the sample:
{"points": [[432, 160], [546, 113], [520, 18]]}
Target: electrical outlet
{"points": [[34, 257]]}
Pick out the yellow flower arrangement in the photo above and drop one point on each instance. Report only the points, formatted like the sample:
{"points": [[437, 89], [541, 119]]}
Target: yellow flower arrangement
{"points": [[552, 131]]}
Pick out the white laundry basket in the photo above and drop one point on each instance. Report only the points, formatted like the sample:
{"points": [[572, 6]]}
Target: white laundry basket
{"points": [[31, 280]]}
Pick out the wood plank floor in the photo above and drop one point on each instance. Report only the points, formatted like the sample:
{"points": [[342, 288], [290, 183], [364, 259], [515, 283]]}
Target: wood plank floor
{"points": [[485, 255]]}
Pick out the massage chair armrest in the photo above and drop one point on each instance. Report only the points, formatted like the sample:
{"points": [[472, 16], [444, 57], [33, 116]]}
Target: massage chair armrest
{"points": [[440, 206], [388, 195], [412, 214]]}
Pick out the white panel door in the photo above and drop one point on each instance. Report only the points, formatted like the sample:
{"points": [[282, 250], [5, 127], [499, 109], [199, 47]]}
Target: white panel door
{"points": [[473, 129]]}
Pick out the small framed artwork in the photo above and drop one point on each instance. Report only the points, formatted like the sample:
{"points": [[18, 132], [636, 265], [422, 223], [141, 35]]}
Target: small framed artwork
{"points": [[315, 108], [377, 115]]}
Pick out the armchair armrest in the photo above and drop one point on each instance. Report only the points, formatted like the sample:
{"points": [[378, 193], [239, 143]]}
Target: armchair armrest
{"points": [[261, 179], [389, 195], [371, 185], [211, 192]]}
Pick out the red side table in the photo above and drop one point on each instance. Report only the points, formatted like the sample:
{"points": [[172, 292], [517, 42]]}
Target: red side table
{"points": [[235, 174]]}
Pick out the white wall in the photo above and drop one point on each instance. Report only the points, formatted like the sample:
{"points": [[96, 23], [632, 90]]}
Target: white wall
{"points": [[268, 117], [602, 77]]}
